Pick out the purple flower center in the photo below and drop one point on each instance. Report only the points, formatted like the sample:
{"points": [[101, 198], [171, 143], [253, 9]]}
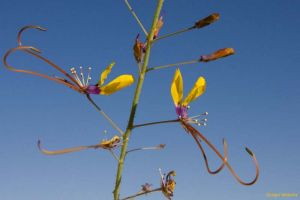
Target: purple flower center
{"points": [[93, 89], [181, 111]]}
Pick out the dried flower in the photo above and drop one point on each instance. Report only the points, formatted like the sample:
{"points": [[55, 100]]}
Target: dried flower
{"points": [[168, 184], [218, 54], [146, 187], [207, 20], [158, 26], [104, 144], [138, 49]]}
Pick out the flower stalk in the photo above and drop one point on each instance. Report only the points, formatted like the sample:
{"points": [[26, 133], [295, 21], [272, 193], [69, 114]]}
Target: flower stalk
{"points": [[135, 101], [136, 17], [113, 124], [158, 122], [142, 193]]}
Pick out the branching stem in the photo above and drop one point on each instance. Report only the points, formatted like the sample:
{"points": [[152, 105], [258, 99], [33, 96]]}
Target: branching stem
{"points": [[135, 101]]}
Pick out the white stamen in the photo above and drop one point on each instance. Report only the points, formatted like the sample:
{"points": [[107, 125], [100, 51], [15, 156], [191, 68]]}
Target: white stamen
{"points": [[73, 71], [89, 76], [162, 176], [82, 76], [205, 120], [82, 82]]}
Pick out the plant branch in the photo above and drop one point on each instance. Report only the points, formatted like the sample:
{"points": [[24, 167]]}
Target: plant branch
{"points": [[173, 64], [158, 147], [158, 122], [104, 115], [142, 193], [135, 101], [174, 33], [136, 17]]}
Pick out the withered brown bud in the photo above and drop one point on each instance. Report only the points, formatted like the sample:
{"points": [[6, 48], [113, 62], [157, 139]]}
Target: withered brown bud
{"points": [[218, 54], [138, 49], [158, 26], [207, 20]]}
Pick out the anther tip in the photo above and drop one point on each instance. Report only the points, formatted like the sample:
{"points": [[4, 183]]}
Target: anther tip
{"points": [[249, 151], [42, 29]]}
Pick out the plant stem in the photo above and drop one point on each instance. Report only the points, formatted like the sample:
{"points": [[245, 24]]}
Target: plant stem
{"points": [[174, 33], [136, 17], [153, 123], [104, 115], [135, 101], [142, 193], [172, 65]]}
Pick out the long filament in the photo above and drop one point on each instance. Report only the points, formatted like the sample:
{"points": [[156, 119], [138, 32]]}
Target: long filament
{"points": [[196, 133]]}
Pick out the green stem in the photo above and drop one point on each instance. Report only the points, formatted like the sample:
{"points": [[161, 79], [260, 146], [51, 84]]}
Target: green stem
{"points": [[174, 33], [173, 64], [136, 17], [104, 115], [135, 101]]}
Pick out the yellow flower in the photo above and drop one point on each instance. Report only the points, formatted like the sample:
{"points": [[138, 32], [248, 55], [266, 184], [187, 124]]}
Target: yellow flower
{"points": [[78, 82], [115, 85], [177, 93]]}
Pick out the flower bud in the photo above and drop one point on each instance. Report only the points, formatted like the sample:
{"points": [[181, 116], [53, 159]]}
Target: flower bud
{"points": [[138, 49], [218, 54], [207, 20], [158, 26]]}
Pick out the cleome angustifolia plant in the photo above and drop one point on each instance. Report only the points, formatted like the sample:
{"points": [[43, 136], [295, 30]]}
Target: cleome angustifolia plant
{"points": [[79, 80]]}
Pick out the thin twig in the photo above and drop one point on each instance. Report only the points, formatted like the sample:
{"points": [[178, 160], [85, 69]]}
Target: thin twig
{"points": [[142, 193], [159, 122], [114, 154], [105, 115], [136, 17], [173, 64], [159, 147], [174, 33]]}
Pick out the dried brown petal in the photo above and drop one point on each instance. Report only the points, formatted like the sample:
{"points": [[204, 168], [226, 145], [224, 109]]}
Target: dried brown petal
{"points": [[158, 26], [138, 49], [218, 54], [207, 20]]}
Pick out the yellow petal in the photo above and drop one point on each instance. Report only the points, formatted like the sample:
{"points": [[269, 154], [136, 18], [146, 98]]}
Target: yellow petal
{"points": [[117, 84], [177, 88], [196, 91], [105, 73]]}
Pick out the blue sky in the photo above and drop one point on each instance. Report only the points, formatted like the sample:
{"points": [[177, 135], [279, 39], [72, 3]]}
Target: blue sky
{"points": [[252, 99]]}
